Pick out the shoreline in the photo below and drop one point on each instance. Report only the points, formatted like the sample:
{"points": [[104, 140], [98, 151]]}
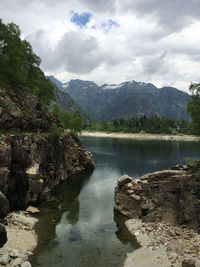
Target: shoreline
{"points": [[141, 136], [22, 239], [162, 245]]}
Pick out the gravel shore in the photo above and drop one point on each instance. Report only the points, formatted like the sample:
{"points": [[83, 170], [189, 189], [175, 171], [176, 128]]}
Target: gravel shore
{"points": [[163, 245], [22, 239], [141, 136]]}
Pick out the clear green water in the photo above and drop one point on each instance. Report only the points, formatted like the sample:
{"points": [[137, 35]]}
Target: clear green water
{"points": [[80, 229]]}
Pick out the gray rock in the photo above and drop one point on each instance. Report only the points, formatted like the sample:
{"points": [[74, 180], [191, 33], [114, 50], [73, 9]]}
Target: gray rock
{"points": [[124, 179], [26, 264], [4, 206], [4, 259], [170, 196], [13, 253], [3, 236], [16, 262], [188, 263]]}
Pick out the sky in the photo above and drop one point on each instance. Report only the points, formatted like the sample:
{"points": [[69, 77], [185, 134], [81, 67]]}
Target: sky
{"points": [[112, 41]]}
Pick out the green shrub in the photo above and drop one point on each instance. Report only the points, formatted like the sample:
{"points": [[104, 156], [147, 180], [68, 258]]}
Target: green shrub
{"points": [[55, 134]]}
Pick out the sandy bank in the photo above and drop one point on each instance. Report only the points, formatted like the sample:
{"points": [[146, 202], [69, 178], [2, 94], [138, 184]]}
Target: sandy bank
{"points": [[141, 136], [21, 237]]}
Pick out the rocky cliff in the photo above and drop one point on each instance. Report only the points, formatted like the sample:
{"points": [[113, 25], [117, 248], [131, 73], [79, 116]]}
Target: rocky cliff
{"points": [[32, 158], [32, 164], [170, 196], [21, 111]]}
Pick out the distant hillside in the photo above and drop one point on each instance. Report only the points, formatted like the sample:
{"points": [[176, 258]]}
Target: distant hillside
{"points": [[66, 102], [128, 100]]}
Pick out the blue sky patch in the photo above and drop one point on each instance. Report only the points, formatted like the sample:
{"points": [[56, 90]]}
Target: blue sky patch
{"points": [[81, 19], [109, 25]]}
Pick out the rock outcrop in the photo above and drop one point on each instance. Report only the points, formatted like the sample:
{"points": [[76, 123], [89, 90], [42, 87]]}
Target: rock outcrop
{"points": [[32, 164], [32, 158], [171, 196], [21, 111]]}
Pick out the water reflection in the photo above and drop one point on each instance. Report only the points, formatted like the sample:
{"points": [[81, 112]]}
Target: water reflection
{"points": [[122, 232], [79, 227], [136, 157]]}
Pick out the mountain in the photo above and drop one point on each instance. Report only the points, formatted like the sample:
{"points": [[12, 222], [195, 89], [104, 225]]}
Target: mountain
{"points": [[66, 102], [128, 99]]}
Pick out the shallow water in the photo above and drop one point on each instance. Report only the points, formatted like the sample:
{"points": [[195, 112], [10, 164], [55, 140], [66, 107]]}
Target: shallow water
{"points": [[80, 227]]}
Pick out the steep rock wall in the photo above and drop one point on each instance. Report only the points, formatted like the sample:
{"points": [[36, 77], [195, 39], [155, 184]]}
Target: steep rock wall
{"points": [[32, 164]]}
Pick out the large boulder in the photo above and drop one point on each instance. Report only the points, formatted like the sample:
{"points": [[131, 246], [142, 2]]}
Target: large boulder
{"points": [[4, 206], [124, 179], [170, 196], [3, 236]]}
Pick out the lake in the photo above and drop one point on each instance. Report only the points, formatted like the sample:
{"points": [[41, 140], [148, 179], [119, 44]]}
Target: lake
{"points": [[79, 228]]}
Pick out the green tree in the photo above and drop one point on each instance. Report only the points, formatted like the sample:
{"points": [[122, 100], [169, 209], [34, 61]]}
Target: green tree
{"points": [[19, 65], [65, 118], [76, 123], [194, 108], [56, 111]]}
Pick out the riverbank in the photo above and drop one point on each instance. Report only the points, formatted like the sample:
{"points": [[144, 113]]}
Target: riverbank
{"points": [[142, 136], [22, 239]]}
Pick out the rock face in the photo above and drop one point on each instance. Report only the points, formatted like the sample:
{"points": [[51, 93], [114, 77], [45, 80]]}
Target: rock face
{"points": [[32, 164], [4, 206], [171, 196], [22, 111], [3, 236]]}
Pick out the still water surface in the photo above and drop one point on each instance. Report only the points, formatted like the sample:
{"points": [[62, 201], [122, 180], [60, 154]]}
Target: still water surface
{"points": [[79, 228]]}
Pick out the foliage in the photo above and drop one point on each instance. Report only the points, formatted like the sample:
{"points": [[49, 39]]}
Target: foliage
{"points": [[19, 65], [194, 108], [154, 124], [55, 133], [190, 161], [74, 122], [65, 118]]}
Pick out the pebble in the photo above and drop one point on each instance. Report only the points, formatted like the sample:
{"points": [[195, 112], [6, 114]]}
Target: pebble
{"points": [[26, 264], [32, 210], [4, 259], [13, 253]]}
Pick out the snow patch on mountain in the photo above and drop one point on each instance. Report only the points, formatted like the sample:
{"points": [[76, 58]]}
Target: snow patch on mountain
{"points": [[112, 86], [65, 85]]}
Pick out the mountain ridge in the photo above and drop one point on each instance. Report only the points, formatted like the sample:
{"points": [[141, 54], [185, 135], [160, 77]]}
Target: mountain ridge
{"points": [[128, 99]]}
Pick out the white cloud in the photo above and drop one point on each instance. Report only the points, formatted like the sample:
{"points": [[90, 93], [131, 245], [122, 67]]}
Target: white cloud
{"points": [[155, 41]]}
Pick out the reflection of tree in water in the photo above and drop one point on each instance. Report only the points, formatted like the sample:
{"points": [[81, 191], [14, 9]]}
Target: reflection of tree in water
{"points": [[122, 233], [67, 194], [65, 198], [73, 215]]}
